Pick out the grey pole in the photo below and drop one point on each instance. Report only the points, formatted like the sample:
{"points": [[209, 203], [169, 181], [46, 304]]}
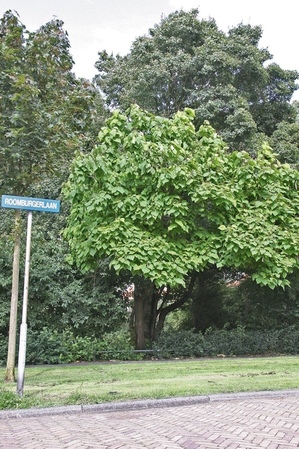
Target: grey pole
{"points": [[23, 329]]}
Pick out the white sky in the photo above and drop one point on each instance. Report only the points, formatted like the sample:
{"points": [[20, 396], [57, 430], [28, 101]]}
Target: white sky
{"points": [[112, 25]]}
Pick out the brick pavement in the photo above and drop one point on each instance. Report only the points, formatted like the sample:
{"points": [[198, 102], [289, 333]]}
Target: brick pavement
{"points": [[224, 422]]}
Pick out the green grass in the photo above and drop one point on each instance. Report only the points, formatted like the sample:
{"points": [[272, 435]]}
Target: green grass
{"points": [[101, 382]]}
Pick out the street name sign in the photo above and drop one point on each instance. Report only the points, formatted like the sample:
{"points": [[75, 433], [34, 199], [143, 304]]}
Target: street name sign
{"points": [[30, 204], [34, 204]]}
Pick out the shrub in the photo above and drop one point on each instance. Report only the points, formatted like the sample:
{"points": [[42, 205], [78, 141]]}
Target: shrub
{"points": [[3, 349], [237, 342], [78, 349], [51, 347], [118, 346], [43, 347], [180, 344]]}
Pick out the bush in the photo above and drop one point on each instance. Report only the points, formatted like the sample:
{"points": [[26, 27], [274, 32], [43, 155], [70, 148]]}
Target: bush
{"points": [[51, 347], [3, 349], [180, 344], [78, 349], [44, 347], [118, 346], [237, 342]]}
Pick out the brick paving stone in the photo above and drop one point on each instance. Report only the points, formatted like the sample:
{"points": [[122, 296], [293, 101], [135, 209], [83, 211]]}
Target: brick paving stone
{"points": [[246, 423]]}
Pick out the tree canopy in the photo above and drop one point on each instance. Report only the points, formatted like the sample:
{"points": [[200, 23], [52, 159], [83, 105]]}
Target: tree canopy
{"points": [[163, 200], [187, 62], [45, 112]]}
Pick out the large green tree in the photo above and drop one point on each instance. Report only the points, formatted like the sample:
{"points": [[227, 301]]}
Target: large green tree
{"points": [[44, 109], [165, 202], [45, 115], [187, 62]]}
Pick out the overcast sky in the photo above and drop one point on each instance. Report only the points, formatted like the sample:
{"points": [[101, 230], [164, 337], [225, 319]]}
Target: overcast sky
{"points": [[112, 25]]}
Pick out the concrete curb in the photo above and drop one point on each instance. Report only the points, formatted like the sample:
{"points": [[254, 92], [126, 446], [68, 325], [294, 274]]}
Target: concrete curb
{"points": [[146, 404]]}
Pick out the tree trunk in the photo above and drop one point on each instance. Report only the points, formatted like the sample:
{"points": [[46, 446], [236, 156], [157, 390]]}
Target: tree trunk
{"points": [[181, 300], [139, 321], [11, 354], [153, 315], [149, 319], [143, 293]]}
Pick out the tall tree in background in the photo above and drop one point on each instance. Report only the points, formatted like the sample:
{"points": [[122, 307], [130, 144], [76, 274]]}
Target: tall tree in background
{"points": [[45, 115], [187, 62], [285, 140]]}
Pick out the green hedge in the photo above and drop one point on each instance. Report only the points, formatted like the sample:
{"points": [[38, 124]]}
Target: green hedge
{"points": [[229, 343], [52, 347]]}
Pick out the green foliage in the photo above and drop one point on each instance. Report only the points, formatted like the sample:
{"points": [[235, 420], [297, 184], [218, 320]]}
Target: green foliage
{"points": [[188, 62], [238, 342], [3, 348], [49, 346], [179, 319], [117, 346], [274, 105], [179, 344], [285, 142], [155, 198], [5, 281], [9, 400], [44, 110], [52, 347], [162, 201], [207, 308], [261, 308], [87, 304], [46, 346]]}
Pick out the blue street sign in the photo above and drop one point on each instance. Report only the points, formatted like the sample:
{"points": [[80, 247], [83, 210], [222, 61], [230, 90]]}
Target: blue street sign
{"points": [[38, 204]]}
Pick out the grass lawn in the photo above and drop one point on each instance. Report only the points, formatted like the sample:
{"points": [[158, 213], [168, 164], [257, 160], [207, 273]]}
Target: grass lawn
{"points": [[101, 382]]}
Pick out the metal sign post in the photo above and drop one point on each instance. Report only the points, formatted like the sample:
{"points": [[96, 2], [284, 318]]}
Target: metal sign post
{"points": [[30, 204], [23, 329]]}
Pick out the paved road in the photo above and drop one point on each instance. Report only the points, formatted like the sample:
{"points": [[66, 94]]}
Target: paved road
{"points": [[247, 421]]}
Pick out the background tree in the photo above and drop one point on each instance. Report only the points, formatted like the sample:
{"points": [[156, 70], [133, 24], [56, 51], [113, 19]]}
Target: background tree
{"points": [[188, 62], [285, 141], [207, 302], [261, 308], [165, 202], [44, 112], [44, 109]]}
